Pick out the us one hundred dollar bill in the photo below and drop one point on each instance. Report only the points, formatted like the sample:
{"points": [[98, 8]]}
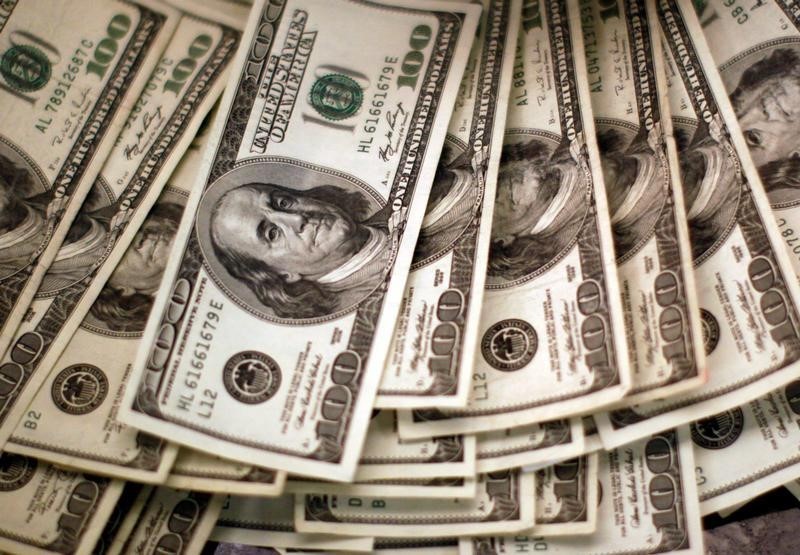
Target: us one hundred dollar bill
{"points": [[416, 546], [504, 502], [746, 288], [197, 471], [747, 450], [757, 53], [170, 521], [122, 519], [386, 456], [71, 74], [566, 498], [433, 349], [531, 445], [455, 487], [87, 319], [648, 505], [49, 509], [270, 523], [551, 334], [645, 199], [301, 231]]}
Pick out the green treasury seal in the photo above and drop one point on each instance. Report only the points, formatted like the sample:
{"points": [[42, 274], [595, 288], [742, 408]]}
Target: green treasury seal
{"points": [[25, 68], [336, 96]]}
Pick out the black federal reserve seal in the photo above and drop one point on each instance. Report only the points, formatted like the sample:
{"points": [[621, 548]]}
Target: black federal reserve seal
{"points": [[710, 329], [79, 389], [509, 345], [251, 377], [15, 471], [718, 431]]}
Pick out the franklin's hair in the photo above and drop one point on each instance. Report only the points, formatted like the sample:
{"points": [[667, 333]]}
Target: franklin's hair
{"points": [[15, 184], [128, 313], [303, 298], [526, 253]]}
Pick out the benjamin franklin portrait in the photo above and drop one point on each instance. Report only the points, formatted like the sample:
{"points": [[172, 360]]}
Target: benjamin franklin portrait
{"points": [[125, 301], [766, 99], [634, 187], [539, 209], [711, 188], [451, 205], [23, 207], [302, 251]]}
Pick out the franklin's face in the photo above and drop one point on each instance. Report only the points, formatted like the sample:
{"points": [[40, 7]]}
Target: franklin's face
{"points": [[296, 235], [770, 119], [517, 206], [617, 180], [144, 262]]}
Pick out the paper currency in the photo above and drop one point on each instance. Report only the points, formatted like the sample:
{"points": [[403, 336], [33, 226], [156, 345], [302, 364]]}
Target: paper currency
{"points": [[198, 471], [648, 505], [591, 437], [301, 232], [49, 509], [270, 523], [107, 340], [171, 521], [757, 52], [504, 501], [433, 349], [747, 450], [71, 74], [532, 445], [552, 331], [794, 488], [122, 519], [567, 497], [421, 488], [95, 279], [746, 288], [416, 546], [645, 199]]}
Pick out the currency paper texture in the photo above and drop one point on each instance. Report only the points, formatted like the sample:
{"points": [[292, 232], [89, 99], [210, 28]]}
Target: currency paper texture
{"points": [[567, 497], [552, 341], [645, 199], [757, 53], [198, 471], [531, 445], [71, 74], [433, 350], [504, 501], [747, 450], [270, 523], [89, 314], [301, 232], [746, 288], [456, 487], [48, 509], [648, 505]]}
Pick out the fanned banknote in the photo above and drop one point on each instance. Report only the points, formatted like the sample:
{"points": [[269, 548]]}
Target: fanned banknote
{"points": [[122, 519], [504, 502], [455, 487], [757, 52], [746, 288], [198, 471], [270, 523], [71, 74], [648, 505], [531, 445], [87, 319], [433, 349], [645, 199], [170, 521], [416, 546], [566, 498], [552, 337], [301, 232], [48, 509], [744, 451]]}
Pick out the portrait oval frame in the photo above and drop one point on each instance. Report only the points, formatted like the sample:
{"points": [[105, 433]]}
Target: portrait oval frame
{"points": [[277, 170]]}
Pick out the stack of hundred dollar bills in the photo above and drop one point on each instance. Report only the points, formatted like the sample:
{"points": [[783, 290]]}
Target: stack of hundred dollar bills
{"points": [[395, 276]]}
